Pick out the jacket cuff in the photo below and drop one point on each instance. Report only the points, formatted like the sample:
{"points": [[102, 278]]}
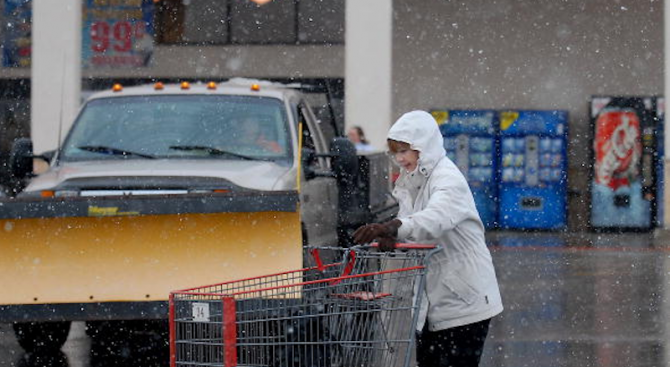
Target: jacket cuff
{"points": [[405, 229]]}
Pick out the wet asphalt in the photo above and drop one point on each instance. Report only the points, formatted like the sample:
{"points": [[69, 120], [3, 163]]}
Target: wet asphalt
{"points": [[588, 300]]}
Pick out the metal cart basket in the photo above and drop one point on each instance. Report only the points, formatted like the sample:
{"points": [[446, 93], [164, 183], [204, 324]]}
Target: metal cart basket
{"points": [[355, 309]]}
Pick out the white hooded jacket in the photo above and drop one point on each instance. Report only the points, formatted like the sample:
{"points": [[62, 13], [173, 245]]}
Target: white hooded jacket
{"points": [[461, 286]]}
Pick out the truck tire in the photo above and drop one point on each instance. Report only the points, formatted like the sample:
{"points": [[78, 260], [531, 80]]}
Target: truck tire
{"points": [[42, 336]]}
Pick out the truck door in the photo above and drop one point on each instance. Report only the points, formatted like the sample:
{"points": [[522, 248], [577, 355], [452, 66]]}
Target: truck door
{"points": [[318, 195]]}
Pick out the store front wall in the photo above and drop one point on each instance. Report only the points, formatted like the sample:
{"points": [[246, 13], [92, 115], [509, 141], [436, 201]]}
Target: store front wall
{"points": [[478, 54]]}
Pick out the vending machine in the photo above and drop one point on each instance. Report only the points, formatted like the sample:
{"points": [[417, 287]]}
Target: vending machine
{"points": [[623, 177], [470, 142], [533, 182]]}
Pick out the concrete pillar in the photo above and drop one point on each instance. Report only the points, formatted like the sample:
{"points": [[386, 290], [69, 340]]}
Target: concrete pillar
{"points": [[56, 70], [367, 74]]}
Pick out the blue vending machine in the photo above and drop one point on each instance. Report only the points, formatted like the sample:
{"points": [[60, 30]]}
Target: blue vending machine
{"points": [[533, 182], [470, 142]]}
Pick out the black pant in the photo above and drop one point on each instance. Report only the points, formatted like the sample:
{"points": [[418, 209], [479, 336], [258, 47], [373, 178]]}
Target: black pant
{"points": [[460, 346]]}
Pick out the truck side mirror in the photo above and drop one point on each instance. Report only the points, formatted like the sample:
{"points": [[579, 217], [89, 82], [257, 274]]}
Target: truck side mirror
{"points": [[345, 161], [21, 158]]}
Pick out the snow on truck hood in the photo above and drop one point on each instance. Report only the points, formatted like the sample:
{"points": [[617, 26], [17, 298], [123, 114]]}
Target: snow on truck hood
{"points": [[255, 175]]}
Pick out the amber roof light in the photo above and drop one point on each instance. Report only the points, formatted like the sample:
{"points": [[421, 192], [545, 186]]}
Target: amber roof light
{"points": [[185, 85], [117, 87], [211, 86], [159, 86], [255, 87]]}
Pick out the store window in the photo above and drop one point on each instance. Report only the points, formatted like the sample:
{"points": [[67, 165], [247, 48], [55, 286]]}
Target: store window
{"points": [[245, 22]]}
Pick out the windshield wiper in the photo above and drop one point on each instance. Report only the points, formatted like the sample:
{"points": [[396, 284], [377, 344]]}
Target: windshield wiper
{"points": [[113, 151], [212, 151]]}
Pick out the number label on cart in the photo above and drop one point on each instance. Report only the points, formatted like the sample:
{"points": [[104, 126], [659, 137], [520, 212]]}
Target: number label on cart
{"points": [[200, 312]]}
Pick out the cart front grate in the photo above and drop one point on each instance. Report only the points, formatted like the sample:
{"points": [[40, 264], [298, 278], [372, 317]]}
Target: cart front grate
{"points": [[358, 311]]}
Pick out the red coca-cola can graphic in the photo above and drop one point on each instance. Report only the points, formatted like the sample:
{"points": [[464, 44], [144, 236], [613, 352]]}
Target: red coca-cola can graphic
{"points": [[618, 147]]}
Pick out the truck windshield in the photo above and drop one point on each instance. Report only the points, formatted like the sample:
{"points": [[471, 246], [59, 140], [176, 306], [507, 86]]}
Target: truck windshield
{"points": [[173, 126]]}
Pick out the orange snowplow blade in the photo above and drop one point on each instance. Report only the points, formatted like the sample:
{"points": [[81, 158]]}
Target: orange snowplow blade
{"points": [[140, 254]]}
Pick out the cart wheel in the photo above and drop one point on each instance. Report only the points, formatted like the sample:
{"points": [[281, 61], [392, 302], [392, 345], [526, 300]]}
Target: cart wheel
{"points": [[41, 336]]}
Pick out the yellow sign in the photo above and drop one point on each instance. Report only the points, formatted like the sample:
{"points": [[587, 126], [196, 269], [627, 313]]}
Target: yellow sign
{"points": [[440, 116], [507, 118], [101, 211]]}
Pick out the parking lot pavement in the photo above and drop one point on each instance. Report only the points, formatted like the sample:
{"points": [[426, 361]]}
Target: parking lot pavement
{"points": [[591, 300]]}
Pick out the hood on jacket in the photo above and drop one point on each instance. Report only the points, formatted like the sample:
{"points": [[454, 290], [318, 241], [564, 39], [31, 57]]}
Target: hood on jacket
{"points": [[419, 129]]}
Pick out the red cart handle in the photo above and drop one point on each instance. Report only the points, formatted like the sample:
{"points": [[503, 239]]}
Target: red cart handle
{"points": [[409, 246], [351, 261], [317, 259]]}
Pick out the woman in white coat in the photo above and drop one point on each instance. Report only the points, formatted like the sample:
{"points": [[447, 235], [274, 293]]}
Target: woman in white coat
{"points": [[436, 206]]}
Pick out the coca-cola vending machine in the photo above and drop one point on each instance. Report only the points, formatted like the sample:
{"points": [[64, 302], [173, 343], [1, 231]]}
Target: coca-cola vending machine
{"points": [[623, 186], [470, 142]]}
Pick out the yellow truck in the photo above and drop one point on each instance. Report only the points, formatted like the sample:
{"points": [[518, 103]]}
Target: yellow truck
{"points": [[168, 186]]}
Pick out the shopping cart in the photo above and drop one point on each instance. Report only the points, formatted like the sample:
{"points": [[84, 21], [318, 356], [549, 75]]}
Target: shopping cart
{"points": [[356, 311]]}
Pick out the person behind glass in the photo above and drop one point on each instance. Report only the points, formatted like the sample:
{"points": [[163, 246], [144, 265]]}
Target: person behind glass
{"points": [[253, 136], [461, 292], [356, 136]]}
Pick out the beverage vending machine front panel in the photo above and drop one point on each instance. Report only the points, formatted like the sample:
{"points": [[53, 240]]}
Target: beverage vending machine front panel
{"points": [[533, 181], [623, 177], [470, 142]]}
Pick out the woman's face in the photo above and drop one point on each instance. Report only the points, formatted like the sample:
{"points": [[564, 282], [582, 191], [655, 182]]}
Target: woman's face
{"points": [[403, 155]]}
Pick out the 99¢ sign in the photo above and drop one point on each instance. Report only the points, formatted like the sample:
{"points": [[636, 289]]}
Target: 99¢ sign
{"points": [[117, 33], [118, 43], [117, 36]]}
